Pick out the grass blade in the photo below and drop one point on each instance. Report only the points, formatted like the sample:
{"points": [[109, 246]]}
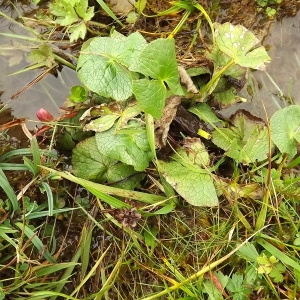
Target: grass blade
{"points": [[67, 274], [15, 153], [199, 273], [92, 271], [278, 254], [36, 153], [45, 270], [110, 280], [36, 241], [48, 191], [9, 191], [40, 214], [13, 167], [86, 239], [109, 12], [30, 166], [99, 189], [42, 295], [3, 234]]}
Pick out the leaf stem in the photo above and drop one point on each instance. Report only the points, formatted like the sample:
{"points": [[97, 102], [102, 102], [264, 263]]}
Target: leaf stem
{"points": [[64, 62], [215, 78], [180, 24], [208, 19]]}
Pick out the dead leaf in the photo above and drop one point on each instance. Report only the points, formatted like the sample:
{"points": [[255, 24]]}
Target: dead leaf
{"points": [[121, 7], [186, 79], [163, 124]]}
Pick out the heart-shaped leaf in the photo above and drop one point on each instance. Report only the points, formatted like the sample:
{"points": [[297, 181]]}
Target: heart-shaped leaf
{"points": [[88, 163], [151, 93], [285, 129], [103, 64]]}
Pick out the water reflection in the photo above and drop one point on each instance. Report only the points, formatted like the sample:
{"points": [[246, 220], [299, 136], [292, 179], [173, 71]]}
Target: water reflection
{"points": [[49, 93]]}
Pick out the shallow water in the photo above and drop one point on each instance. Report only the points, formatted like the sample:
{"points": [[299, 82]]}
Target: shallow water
{"points": [[49, 93]]}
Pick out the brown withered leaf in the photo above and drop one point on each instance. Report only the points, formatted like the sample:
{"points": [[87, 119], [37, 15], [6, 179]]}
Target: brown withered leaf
{"points": [[186, 79], [162, 125]]}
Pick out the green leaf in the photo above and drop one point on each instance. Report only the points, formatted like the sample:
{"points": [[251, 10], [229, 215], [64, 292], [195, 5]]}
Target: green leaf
{"points": [[162, 211], [276, 275], [150, 95], [263, 260], [285, 129], [70, 12], [131, 111], [223, 279], [186, 176], [43, 54], [235, 284], [88, 162], [78, 94], [248, 252], [64, 11], [205, 113], [120, 176], [78, 31], [221, 59], [194, 186], [109, 114], [130, 147], [103, 62], [140, 5], [102, 124], [85, 12], [246, 141], [284, 258], [226, 98], [237, 42], [71, 133], [152, 63], [251, 275], [213, 293], [150, 239]]}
